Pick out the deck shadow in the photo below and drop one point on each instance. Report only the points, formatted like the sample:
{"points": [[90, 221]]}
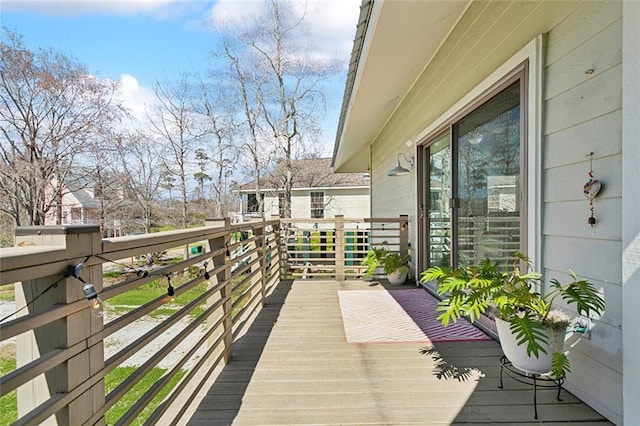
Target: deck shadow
{"points": [[224, 398], [512, 404]]}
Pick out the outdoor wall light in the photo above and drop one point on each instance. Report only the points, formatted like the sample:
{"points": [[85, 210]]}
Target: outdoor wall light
{"points": [[399, 170], [90, 293]]}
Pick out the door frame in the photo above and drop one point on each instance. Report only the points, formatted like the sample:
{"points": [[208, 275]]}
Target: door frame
{"points": [[446, 125]]}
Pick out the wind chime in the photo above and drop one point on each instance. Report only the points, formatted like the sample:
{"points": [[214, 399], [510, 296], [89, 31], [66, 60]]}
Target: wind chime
{"points": [[591, 190]]}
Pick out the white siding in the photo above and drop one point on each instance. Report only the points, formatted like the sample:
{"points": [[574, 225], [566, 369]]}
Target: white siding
{"points": [[349, 202], [270, 205], [582, 107], [399, 191]]}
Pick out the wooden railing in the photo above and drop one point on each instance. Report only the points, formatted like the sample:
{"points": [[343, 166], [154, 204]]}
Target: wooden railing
{"points": [[65, 355], [334, 248]]}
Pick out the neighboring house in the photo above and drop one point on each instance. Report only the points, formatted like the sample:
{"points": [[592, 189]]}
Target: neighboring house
{"points": [[317, 192], [82, 203], [506, 106]]}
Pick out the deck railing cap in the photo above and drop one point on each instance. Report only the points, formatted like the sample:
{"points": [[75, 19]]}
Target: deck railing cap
{"points": [[22, 231]]}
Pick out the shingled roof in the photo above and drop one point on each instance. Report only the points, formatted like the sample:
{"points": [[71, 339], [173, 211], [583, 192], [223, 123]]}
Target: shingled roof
{"points": [[310, 173]]}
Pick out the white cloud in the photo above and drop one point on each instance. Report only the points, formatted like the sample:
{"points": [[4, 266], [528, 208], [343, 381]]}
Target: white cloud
{"points": [[332, 23], [235, 12], [135, 97]]}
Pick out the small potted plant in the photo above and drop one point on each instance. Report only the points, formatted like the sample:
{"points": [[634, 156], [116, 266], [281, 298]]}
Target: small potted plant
{"points": [[396, 267], [528, 326], [374, 261]]}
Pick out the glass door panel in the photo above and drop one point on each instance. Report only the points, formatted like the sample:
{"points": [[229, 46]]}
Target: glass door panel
{"points": [[439, 196], [488, 176]]}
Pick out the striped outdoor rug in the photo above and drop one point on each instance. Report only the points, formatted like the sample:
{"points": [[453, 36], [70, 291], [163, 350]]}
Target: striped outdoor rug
{"points": [[376, 316]]}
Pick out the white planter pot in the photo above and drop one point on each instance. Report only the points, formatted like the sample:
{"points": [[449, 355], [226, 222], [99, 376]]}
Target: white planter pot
{"points": [[397, 278], [517, 354]]}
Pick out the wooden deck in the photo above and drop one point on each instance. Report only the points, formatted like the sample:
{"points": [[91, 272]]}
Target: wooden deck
{"points": [[294, 366]]}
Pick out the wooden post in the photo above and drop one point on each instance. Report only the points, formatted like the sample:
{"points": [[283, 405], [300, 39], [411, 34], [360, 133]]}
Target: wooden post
{"points": [[262, 261], [80, 242], [286, 235], [404, 235], [223, 258], [276, 241], [256, 260], [339, 248]]}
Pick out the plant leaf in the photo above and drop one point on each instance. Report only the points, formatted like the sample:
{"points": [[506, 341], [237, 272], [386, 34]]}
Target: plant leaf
{"points": [[433, 274], [584, 295], [530, 332], [559, 365]]}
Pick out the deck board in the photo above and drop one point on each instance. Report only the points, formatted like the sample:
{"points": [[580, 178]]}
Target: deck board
{"points": [[294, 366]]}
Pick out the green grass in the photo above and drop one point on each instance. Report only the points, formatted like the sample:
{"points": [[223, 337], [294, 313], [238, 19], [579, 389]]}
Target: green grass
{"points": [[162, 228], [113, 379], [126, 302], [7, 292], [112, 274], [140, 295], [9, 402]]}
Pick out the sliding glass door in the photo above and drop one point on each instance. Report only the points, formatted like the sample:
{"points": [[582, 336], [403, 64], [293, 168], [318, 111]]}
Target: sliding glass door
{"points": [[473, 183], [487, 213]]}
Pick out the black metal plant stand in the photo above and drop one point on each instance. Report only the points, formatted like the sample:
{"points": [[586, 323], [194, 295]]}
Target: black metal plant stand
{"points": [[536, 380]]}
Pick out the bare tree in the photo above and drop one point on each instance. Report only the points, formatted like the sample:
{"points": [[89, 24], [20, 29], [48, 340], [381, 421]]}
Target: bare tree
{"points": [[50, 108], [140, 167], [219, 128], [256, 155], [280, 87], [172, 119]]}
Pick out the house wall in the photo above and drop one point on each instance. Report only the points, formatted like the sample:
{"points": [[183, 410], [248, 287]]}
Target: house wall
{"points": [[349, 202], [583, 114], [581, 105], [69, 201]]}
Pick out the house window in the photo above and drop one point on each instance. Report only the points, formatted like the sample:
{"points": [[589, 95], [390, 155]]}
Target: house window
{"points": [[76, 214], [252, 203], [474, 181], [317, 205]]}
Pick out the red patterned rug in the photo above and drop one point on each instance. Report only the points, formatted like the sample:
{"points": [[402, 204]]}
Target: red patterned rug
{"points": [[377, 316]]}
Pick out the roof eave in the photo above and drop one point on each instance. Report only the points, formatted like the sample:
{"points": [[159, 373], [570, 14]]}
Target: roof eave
{"points": [[394, 44]]}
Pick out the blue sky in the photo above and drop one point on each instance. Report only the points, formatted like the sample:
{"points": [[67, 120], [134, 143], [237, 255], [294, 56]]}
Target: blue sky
{"points": [[137, 42]]}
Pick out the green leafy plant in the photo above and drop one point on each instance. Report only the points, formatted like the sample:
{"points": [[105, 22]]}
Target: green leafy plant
{"points": [[474, 290], [374, 260], [393, 262]]}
